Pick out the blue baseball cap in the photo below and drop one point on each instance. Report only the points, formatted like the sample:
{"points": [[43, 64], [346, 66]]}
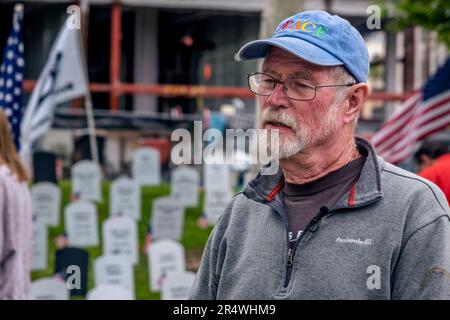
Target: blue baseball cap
{"points": [[319, 38]]}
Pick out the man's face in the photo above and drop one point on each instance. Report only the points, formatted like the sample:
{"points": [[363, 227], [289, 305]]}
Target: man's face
{"points": [[302, 124]]}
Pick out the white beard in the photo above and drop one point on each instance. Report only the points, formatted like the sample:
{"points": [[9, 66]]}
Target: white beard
{"points": [[303, 137]]}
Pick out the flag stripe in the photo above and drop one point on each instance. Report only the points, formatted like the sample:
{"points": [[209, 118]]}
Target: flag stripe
{"points": [[390, 132], [422, 115], [403, 150], [420, 110], [406, 153], [417, 135], [399, 120], [430, 113]]}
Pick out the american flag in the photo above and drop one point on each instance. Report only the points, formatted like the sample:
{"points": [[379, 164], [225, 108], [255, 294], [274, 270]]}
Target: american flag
{"points": [[425, 113], [11, 76]]}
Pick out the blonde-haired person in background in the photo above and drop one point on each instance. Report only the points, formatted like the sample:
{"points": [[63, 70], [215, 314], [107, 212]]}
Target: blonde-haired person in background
{"points": [[15, 219]]}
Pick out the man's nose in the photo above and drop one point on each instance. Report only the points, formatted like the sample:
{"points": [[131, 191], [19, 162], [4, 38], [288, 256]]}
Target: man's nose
{"points": [[278, 98]]}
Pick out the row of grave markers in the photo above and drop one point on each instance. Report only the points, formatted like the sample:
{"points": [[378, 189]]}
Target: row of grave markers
{"points": [[114, 276], [87, 177], [120, 250], [120, 235], [81, 217], [125, 194], [120, 245]]}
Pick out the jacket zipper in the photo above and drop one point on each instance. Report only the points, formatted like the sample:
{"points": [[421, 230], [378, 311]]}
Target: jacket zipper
{"points": [[290, 257], [290, 254], [291, 251], [314, 221]]}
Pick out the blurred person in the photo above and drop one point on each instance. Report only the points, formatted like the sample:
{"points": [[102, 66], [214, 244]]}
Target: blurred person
{"points": [[434, 163], [336, 221], [15, 219], [428, 153]]}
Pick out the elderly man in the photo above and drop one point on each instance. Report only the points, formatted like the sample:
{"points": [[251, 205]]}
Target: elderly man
{"points": [[336, 221]]}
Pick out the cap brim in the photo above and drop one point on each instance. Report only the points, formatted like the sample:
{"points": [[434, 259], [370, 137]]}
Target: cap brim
{"points": [[298, 47]]}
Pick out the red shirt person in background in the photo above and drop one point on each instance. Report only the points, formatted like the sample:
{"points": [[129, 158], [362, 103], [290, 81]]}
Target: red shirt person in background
{"points": [[434, 163]]}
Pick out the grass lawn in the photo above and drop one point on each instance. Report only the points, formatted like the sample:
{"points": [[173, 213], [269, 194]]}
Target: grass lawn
{"points": [[194, 238]]}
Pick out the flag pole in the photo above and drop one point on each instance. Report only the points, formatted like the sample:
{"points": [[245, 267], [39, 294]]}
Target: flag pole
{"points": [[91, 127], [89, 109]]}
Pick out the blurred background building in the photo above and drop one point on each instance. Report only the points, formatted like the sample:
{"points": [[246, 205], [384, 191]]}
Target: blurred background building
{"points": [[156, 65]]}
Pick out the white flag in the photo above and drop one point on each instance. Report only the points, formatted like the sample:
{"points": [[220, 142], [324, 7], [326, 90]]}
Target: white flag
{"points": [[62, 79]]}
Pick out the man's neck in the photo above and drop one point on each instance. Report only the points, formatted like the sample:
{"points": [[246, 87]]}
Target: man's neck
{"points": [[313, 164]]}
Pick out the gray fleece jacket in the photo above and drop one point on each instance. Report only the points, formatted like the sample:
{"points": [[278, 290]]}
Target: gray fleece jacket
{"points": [[388, 238]]}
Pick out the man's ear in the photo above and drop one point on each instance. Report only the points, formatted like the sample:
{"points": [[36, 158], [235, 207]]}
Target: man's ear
{"points": [[356, 95]]}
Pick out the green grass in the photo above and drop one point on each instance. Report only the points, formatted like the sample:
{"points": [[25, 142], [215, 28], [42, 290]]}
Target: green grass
{"points": [[194, 238]]}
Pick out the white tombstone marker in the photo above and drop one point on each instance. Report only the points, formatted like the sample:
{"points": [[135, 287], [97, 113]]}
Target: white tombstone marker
{"points": [[164, 257], [125, 198], [216, 201], [114, 270], [176, 286], [48, 289], [120, 238], [81, 223], [167, 219], [217, 176], [39, 246], [109, 292], [46, 200], [146, 167], [185, 184], [217, 190], [87, 181]]}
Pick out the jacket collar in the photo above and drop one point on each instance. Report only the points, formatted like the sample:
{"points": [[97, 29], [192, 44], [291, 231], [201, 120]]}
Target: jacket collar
{"points": [[265, 188]]}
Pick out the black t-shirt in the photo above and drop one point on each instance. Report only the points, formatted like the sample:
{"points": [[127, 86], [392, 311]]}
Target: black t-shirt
{"points": [[303, 201]]}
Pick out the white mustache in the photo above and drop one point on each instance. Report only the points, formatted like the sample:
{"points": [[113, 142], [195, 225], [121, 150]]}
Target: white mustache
{"points": [[270, 115]]}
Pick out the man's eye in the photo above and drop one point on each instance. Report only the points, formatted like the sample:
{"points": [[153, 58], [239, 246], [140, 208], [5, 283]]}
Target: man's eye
{"points": [[299, 85], [267, 81]]}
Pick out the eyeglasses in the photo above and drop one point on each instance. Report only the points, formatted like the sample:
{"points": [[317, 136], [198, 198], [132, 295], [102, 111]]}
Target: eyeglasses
{"points": [[263, 84]]}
